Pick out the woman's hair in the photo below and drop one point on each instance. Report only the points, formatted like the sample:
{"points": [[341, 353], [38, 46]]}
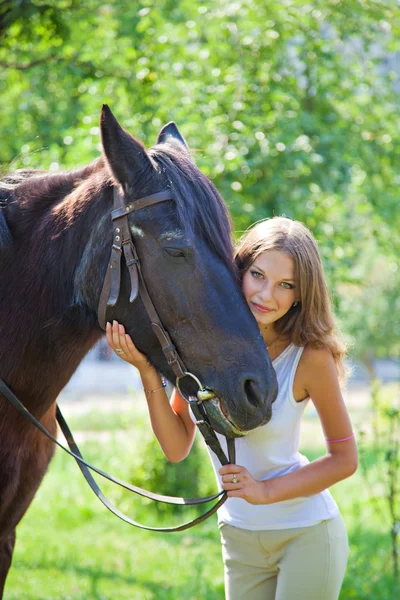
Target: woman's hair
{"points": [[311, 321]]}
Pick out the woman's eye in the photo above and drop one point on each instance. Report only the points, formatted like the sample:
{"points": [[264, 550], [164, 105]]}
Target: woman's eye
{"points": [[287, 286], [256, 274], [176, 252]]}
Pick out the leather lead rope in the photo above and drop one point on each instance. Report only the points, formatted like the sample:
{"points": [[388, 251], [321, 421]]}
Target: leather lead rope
{"points": [[85, 466]]}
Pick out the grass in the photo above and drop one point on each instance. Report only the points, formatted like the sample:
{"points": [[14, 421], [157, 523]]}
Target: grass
{"points": [[70, 547]]}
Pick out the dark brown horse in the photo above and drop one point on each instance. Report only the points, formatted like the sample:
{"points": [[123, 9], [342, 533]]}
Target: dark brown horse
{"points": [[55, 239]]}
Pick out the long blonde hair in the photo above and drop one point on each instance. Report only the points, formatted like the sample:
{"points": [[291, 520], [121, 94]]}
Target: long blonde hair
{"points": [[311, 321]]}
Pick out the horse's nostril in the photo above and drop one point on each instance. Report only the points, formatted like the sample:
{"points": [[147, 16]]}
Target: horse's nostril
{"points": [[252, 393]]}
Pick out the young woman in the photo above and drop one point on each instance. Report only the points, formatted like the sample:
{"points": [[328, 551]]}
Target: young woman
{"points": [[282, 535]]}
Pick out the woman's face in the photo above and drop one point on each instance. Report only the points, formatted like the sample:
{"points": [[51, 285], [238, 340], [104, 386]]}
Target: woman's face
{"points": [[269, 286]]}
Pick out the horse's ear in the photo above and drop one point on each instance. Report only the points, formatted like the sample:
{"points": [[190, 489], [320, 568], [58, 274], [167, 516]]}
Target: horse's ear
{"points": [[170, 131], [125, 155]]}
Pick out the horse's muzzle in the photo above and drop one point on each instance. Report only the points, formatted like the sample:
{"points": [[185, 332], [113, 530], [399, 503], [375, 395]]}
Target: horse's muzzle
{"points": [[219, 421]]}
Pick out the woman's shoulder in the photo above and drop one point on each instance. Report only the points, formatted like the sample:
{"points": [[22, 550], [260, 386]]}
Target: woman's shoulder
{"points": [[317, 354], [316, 361]]}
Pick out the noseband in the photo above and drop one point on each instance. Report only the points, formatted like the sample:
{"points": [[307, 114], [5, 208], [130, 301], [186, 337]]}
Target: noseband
{"points": [[123, 245]]}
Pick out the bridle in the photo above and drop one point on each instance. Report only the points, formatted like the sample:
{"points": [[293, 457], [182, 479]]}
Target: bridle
{"points": [[123, 246]]}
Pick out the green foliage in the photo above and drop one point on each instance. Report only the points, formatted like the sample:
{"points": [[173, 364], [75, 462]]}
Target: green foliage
{"points": [[370, 303], [144, 464], [93, 421], [190, 478], [70, 546], [290, 107], [380, 441]]}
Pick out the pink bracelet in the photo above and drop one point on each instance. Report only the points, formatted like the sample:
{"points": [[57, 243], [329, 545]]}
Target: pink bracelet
{"points": [[342, 440]]}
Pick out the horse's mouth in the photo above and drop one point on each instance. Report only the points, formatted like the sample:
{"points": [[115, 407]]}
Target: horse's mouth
{"points": [[219, 419]]}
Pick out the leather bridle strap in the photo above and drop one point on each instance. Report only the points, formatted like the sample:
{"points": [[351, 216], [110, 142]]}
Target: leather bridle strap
{"points": [[108, 504], [209, 436], [85, 466], [122, 242]]}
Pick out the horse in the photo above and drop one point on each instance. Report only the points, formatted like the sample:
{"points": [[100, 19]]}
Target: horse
{"points": [[55, 240]]}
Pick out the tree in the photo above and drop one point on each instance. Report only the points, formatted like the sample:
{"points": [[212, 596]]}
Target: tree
{"points": [[290, 107]]}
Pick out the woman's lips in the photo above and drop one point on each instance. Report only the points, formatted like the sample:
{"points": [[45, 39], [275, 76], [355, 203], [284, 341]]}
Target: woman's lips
{"points": [[263, 309]]}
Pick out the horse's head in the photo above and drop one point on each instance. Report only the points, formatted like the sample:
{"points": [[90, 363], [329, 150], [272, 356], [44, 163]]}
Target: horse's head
{"points": [[185, 252]]}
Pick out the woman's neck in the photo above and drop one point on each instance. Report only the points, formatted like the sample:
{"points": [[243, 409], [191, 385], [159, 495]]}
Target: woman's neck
{"points": [[269, 335], [276, 348], [275, 342]]}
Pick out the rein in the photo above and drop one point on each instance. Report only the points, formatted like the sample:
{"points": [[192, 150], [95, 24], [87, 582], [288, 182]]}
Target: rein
{"points": [[123, 245], [86, 467]]}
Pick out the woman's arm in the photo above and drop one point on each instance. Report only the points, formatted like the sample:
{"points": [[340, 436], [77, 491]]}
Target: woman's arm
{"points": [[318, 377], [171, 422]]}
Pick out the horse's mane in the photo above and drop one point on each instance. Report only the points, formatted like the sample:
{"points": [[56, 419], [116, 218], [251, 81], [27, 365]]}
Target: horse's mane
{"points": [[35, 190], [199, 206]]}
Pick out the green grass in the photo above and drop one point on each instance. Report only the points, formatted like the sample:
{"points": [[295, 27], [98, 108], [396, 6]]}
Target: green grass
{"points": [[70, 547], [121, 419]]}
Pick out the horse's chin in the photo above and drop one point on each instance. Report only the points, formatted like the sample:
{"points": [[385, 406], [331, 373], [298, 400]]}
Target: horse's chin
{"points": [[220, 421]]}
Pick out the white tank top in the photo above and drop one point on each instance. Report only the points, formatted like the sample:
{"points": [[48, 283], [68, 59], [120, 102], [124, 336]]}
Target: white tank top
{"points": [[271, 451]]}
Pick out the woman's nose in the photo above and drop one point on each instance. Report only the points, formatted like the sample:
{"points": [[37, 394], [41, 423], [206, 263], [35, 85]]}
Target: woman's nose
{"points": [[267, 292]]}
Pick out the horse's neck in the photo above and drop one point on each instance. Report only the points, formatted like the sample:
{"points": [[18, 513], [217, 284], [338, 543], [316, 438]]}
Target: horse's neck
{"points": [[46, 328], [39, 369]]}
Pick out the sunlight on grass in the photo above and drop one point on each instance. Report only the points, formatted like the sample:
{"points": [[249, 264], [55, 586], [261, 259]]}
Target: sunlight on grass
{"points": [[70, 547]]}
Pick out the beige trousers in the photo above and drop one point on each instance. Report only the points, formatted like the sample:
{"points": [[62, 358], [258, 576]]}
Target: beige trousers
{"points": [[306, 563]]}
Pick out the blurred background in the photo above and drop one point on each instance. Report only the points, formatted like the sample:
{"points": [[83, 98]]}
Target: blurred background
{"points": [[290, 108]]}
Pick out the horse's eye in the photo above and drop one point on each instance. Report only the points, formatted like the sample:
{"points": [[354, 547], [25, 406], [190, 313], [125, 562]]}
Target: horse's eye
{"points": [[176, 252]]}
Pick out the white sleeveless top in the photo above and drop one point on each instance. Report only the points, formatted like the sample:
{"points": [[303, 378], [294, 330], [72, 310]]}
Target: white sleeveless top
{"points": [[271, 451]]}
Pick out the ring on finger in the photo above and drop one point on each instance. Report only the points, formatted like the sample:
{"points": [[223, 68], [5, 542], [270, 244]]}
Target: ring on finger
{"points": [[234, 478], [119, 351]]}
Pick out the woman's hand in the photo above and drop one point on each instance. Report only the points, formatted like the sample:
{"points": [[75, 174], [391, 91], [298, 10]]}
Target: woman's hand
{"points": [[238, 482], [123, 346]]}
